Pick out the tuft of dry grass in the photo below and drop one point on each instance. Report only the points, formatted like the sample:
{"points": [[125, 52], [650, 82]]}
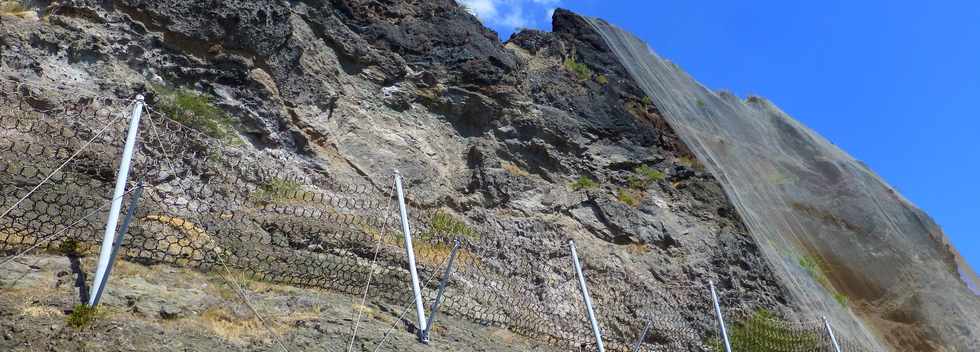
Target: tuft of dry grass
{"points": [[637, 248], [429, 253], [364, 310], [34, 311], [514, 169], [433, 254], [225, 325], [17, 9]]}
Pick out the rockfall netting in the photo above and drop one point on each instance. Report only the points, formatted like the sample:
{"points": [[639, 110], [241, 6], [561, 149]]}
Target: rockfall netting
{"points": [[278, 220], [830, 227]]}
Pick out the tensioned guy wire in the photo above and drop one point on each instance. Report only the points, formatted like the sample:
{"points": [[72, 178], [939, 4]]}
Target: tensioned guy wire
{"points": [[374, 259]]}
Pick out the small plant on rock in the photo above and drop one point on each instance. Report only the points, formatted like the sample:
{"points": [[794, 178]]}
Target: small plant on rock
{"points": [[647, 100], [196, 111], [444, 224], [82, 315], [602, 79], [628, 197], [579, 69], [643, 176], [812, 266], [583, 182], [842, 299]]}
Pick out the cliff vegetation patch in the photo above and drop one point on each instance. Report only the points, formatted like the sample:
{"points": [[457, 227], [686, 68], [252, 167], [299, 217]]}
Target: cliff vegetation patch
{"points": [[581, 71], [583, 182], [196, 111], [82, 315]]}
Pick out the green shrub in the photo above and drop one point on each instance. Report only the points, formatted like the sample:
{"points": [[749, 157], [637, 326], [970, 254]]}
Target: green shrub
{"points": [[276, 191], [764, 332], [446, 225], [842, 299], [700, 103], [647, 100], [196, 111], [643, 176], [584, 182], [627, 197], [813, 267], [579, 69], [602, 79], [82, 315]]}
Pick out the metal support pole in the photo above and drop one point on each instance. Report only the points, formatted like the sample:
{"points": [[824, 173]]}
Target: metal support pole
{"points": [[411, 259], [721, 319], [442, 288], [643, 336], [588, 299], [830, 332], [134, 202], [121, 177]]}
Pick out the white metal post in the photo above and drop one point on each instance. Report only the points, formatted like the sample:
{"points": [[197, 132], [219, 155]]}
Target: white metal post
{"points": [[117, 197], [411, 259], [721, 319], [588, 299], [830, 332]]}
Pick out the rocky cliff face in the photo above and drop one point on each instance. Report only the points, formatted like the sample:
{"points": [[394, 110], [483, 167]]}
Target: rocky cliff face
{"points": [[544, 139]]}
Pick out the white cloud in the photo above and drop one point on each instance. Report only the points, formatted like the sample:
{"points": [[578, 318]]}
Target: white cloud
{"points": [[515, 19], [484, 9], [509, 13], [549, 14]]}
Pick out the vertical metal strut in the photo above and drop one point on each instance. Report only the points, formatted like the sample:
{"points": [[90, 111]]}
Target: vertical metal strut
{"points": [[588, 299], [721, 319], [121, 178], [410, 251]]}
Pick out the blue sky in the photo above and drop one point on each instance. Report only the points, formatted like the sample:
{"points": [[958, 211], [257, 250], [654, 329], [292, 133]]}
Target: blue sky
{"points": [[895, 83]]}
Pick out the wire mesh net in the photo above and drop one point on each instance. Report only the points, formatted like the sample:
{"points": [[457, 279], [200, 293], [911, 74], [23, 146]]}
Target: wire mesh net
{"points": [[282, 221]]}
